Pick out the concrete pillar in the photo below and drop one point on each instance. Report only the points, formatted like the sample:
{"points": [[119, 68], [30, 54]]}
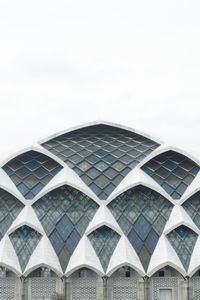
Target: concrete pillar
{"points": [[60, 285], [146, 287], [100, 288], [190, 288], [141, 287], [183, 289], [110, 288], [105, 287], [19, 288], [68, 288]]}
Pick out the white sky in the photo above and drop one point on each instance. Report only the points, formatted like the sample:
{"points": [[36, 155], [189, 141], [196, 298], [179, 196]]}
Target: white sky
{"points": [[127, 61]]}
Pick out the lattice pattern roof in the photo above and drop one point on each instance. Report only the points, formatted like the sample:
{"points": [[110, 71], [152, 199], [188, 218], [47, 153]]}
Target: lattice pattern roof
{"points": [[101, 155], [183, 240], [192, 207], [75, 227], [104, 240], [173, 171], [31, 171], [10, 207], [142, 215], [65, 214], [24, 240]]}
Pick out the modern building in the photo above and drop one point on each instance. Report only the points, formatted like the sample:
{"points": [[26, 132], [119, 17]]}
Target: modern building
{"points": [[100, 212]]}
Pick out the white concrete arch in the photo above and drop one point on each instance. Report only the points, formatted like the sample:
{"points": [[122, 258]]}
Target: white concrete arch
{"points": [[84, 256], [35, 147], [164, 148], [5, 179], [177, 218], [124, 264], [8, 257], [195, 259], [193, 271], [26, 217], [84, 266], [192, 189], [165, 264], [135, 178], [10, 269], [103, 217], [7, 185], [66, 177], [124, 255], [44, 255], [29, 271], [100, 122], [164, 255]]}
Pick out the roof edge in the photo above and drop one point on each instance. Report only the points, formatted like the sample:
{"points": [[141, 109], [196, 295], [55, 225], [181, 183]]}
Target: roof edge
{"points": [[99, 122]]}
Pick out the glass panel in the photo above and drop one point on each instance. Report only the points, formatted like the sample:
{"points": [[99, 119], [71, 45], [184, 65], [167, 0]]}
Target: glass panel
{"points": [[65, 214], [24, 240], [104, 240], [100, 146], [142, 214], [173, 171], [28, 170], [192, 207], [183, 240]]}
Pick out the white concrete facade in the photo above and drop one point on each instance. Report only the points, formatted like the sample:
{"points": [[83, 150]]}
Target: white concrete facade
{"points": [[84, 255]]}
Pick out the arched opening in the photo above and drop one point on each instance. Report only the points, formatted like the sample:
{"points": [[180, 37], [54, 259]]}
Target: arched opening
{"points": [[141, 214], [164, 284], [196, 274], [82, 284], [65, 213], [6, 273], [42, 272], [191, 206], [123, 284], [7, 283], [83, 273], [40, 284], [173, 171], [167, 271], [31, 171], [124, 272], [194, 285]]}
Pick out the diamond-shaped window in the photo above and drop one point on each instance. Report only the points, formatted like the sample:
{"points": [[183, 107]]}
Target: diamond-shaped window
{"points": [[24, 240], [101, 150], [65, 214], [173, 171], [10, 207], [142, 214], [31, 171], [183, 240], [104, 240]]}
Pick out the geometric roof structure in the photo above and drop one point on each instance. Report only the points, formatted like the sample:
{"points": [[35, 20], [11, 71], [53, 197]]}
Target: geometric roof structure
{"points": [[100, 196], [173, 171], [31, 171], [102, 155]]}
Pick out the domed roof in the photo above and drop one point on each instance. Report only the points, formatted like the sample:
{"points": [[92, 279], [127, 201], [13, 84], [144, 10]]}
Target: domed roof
{"points": [[97, 189]]}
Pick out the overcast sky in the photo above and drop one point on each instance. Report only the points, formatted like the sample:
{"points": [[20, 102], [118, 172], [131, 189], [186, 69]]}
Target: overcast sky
{"points": [[67, 62]]}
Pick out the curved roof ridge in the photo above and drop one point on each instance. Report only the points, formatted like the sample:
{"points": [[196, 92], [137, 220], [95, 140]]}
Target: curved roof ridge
{"points": [[124, 254], [103, 217], [99, 122], [164, 148]]}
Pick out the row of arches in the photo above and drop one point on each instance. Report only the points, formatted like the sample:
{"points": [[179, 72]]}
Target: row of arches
{"points": [[84, 283], [65, 213], [101, 155], [124, 271]]}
